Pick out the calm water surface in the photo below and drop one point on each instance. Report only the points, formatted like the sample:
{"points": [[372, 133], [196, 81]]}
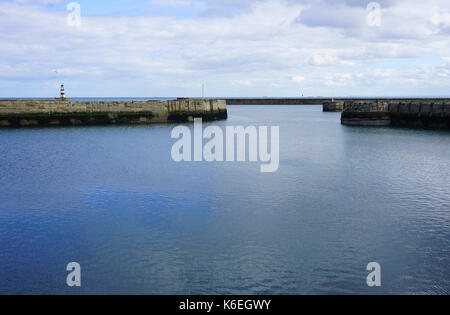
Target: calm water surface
{"points": [[112, 199]]}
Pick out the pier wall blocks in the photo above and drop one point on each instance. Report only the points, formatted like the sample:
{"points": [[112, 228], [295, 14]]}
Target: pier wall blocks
{"points": [[408, 113], [337, 106], [276, 101], [22, 113]]}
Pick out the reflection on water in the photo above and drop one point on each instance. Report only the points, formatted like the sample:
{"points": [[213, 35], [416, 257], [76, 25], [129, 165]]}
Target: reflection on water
{"points": [[112, 199]]}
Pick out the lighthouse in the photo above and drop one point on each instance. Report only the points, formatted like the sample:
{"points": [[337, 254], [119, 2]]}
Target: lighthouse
{"points": [[63, 93]]}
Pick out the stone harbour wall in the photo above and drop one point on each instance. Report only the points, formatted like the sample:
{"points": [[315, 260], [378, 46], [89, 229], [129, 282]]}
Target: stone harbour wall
{"points": [[333, 106], [277, 101], [35, 112], [407, 113]]}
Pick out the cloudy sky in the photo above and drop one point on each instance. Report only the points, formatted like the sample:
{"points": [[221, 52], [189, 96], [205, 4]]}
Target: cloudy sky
{"points": [[235, 47]]}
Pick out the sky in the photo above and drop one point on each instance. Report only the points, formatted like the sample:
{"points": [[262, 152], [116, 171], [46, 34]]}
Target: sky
{"points": [[236, 48]]}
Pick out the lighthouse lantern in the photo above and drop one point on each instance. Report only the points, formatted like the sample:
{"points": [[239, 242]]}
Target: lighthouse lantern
{"points": [[63, 94]]}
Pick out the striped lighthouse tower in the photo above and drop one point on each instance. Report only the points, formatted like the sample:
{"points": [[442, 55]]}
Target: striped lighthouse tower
{"points": [[63, 93]]}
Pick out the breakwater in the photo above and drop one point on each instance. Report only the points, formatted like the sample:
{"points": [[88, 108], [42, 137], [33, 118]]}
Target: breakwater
{"points": [[421, 113], [333, 106], [64, 112], [276, 101], [337, 104]]}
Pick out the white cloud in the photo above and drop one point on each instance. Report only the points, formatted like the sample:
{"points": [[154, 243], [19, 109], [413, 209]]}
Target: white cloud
{"points": [[242, 83], [231, 46], [174, 3], [298, 78]]}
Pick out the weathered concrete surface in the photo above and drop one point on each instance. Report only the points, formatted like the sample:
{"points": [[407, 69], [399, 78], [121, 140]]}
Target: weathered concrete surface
{"points": [[57, 112], [336, 104], [333, 106], [366, 119], [276, 101], [414, 113]]}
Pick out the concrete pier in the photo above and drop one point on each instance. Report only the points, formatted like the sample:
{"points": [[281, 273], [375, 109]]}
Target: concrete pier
{"points": [[414, 113], [277, 101], [339, 104], [336, 104], [65, 112], [333, 106]]}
